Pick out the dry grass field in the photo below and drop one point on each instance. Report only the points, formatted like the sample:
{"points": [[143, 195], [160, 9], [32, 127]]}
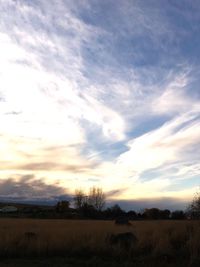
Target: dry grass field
{"points": [[160, 243]]}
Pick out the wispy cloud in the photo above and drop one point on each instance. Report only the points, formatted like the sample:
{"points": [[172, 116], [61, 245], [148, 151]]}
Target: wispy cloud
{"points": [[100, 93]]}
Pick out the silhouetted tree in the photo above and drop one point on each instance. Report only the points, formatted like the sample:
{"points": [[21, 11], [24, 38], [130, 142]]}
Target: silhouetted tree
{"points": [[178, 215], [114, 212], [152, 214], [194, 207], [79, 199], [62, 206], [90, 205], [132, 215], [164, 214], [88, 211], [156, 214], [96, 198]]}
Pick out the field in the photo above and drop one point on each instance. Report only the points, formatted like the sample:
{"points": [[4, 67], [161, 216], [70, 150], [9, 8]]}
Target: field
{"points": [[32, 242]]}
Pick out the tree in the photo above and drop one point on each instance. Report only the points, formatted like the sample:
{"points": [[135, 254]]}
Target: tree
{"points": [[153, 213], [79, 199], [88, 211], [156, 214], [194, 207], [62, 206], [178, 215], [164, 214], [132, 215], [114, 212], [117, 211], [96, 198]]}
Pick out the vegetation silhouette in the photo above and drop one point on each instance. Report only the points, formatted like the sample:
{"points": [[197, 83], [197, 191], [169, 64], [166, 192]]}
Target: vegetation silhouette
{"points": [[92, 205], [156, 237], [193, 210]]}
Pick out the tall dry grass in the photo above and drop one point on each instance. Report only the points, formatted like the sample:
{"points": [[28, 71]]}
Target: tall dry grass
{"points": [[159, 239]]}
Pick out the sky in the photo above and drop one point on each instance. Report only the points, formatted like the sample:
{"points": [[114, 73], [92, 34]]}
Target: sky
{"points": [[100, 93]]}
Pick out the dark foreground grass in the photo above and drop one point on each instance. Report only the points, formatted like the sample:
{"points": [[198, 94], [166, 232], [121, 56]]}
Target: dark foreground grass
{"points": [[92, 262], [35, 243]]}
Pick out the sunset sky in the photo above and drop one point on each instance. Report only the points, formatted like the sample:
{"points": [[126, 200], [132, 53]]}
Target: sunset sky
{"points": [[100, 93]]}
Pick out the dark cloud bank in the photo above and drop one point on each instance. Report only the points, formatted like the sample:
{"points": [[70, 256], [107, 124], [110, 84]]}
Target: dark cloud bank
{"points": [[31, 190], [161, 203]]}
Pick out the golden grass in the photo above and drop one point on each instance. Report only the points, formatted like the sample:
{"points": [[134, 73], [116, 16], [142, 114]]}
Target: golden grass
{"points": [[21, 237]]}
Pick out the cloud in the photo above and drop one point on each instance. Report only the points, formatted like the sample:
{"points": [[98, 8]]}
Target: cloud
{"points": [[52, 166], [28, 187], [115, 193], [2, 99], [13, 113], [161, 155], [30, 154], [112, 101], [25, 56], [162, 145]]}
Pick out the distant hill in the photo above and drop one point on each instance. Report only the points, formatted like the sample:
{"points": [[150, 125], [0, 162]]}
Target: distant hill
{"points": [[40, 202], [24, 205]]}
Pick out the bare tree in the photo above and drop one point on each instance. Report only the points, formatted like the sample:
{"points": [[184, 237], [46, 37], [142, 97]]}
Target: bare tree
{"points": [[62, 206], [96, 198], [194, 207], [79, 199]]}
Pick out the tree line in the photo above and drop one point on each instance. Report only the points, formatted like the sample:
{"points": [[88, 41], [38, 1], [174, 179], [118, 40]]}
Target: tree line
{"points": [[92, 205]]}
